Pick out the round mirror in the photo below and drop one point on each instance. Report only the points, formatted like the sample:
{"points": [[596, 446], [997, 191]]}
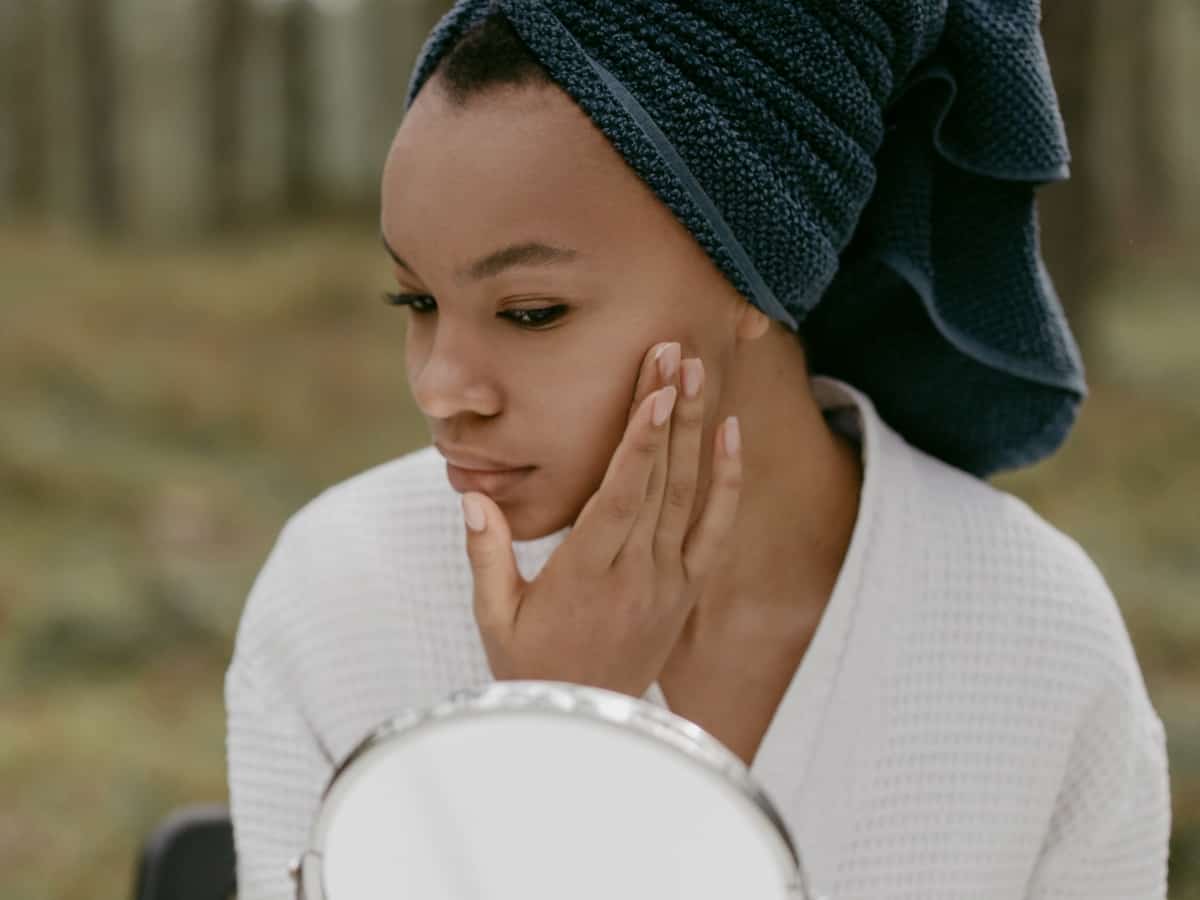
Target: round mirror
{"points": [[544, 790]]}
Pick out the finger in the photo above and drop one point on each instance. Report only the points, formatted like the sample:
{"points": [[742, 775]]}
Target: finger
{"points": [[642, 533], [604, 525], [660, 365], [656, 371], [683, 464], [493, 566], [707, 536]]}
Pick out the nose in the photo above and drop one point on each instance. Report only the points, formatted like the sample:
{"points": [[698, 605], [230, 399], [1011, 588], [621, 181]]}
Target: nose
{"points": [[453, 376]]}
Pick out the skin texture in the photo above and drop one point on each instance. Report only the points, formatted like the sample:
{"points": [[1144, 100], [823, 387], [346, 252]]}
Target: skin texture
{"points": [[525, 164]]}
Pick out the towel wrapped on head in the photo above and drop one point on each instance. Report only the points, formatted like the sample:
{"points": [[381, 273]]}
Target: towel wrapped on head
{"points": [[862, 171]]}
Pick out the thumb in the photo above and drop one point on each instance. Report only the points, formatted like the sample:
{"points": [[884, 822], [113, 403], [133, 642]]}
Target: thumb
{"points": [[489, 547]]}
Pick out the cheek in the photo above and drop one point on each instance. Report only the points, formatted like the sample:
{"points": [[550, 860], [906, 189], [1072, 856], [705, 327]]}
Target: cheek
{"points": [[583, 421], [416, 350], [588, 416], [412, 363], [571, 426]]}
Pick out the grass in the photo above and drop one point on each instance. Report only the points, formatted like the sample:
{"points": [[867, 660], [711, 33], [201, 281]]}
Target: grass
{"points": [[162, 413]]}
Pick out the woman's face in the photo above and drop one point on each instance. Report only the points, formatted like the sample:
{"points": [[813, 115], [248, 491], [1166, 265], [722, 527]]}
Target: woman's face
{"points": [[530, 359]]}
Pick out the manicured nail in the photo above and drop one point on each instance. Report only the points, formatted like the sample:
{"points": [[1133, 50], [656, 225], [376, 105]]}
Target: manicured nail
{"points": [[473, 513], [733, 436], [664, 402], [668, 360], [693, 377]]}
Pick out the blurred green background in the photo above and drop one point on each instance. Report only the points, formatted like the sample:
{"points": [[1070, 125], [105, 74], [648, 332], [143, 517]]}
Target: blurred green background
{"points": [[191, 347]]}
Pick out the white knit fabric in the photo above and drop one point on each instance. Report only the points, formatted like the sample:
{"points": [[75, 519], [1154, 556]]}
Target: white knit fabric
{"points": [[969, 720]]}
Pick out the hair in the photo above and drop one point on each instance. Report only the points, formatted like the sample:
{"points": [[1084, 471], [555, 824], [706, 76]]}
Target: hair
{"points": [[488, 56]]}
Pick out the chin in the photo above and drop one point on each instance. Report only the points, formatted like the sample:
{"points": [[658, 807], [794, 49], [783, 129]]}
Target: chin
{"points": [[528, 522]]}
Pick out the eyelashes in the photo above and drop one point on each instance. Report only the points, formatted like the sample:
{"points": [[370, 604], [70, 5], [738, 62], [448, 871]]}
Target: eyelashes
{"points": [[418, 303], [530, 319]]}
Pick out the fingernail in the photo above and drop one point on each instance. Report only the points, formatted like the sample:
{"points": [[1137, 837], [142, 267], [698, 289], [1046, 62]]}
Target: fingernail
{"points": [[733, 436], [664, 402], [473, 513], [693, 377], [668, 360]]}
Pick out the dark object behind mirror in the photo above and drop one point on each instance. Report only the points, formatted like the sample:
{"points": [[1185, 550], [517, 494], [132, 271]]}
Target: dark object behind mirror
{"points": [[188, 856]]}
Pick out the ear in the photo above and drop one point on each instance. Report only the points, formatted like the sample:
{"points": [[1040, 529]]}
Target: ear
{"points": [[752, 323]]}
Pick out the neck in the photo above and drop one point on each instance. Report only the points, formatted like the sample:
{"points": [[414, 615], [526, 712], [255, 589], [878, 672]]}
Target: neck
{"points": [[799, 502]]}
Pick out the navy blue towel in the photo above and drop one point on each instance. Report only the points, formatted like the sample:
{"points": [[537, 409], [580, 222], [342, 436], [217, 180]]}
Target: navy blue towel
{"points": [[862, 171]]}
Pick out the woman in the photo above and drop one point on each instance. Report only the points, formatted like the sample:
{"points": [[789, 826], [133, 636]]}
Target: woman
{"points": [[629, 236]]}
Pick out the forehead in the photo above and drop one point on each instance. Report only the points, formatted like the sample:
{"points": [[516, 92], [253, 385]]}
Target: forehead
{"points": [[521, 162]]}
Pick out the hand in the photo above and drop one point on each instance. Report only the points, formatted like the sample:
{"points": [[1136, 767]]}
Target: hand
{"points": [[609, 605]]}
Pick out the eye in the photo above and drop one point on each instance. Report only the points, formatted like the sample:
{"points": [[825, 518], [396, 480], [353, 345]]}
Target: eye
{"points": [[534, 318], [418, 303], [529, 319]]}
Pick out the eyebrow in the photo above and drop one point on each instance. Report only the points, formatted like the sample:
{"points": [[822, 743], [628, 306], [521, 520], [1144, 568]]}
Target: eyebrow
{"points": [[526, 253]]}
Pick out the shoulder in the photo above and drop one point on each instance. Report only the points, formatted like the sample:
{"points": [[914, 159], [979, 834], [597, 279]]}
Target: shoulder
{"points": [[961, 561], [1007, 551], [1048, 661], [407, 492], [965, 541], [1014, 600], [984, 593], [993, 666], [404, 508], [363, 606], [355, 553]]}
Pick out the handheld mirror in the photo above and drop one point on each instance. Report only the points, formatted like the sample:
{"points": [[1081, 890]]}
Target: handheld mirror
{"points": [[543, 790]]}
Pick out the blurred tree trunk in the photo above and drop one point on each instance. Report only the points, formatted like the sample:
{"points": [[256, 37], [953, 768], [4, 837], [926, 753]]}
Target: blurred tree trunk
{"points": [[298, 112], [393, 38], [372, 46], [226, 62], [340, 156], [262, 133], [94, 21], [163, 120], [22, 101], [1153, 210], [1072, 231]]}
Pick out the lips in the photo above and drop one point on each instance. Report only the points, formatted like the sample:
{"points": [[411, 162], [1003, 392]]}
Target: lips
{"points": [[469, 459], [468, 471], [495, 483]]}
